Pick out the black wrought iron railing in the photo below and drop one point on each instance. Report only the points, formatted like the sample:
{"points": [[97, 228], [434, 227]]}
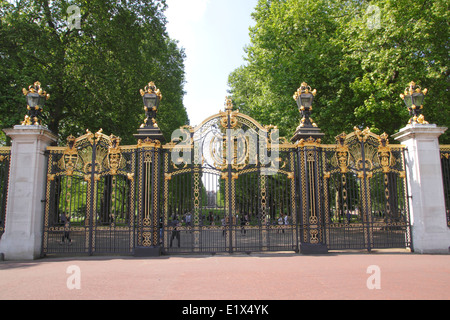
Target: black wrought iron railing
{"points": [[5, 159], [445, 163]]}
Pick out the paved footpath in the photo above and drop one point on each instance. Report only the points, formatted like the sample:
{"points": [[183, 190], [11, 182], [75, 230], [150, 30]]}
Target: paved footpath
{"points": [[282, 276]]}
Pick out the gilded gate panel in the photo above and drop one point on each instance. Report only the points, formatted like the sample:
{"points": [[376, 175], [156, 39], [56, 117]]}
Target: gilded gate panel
{"points": [[90, 196], [241, 184], [228, 185], [366, 193]]}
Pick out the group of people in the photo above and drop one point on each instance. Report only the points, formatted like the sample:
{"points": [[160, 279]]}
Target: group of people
{"points": [[176, 223], [243, 220]]}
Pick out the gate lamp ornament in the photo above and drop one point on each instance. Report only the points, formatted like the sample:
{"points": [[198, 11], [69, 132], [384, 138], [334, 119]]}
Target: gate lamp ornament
{"points": [[413, 98], [307, 130], [151, 97], [304, 97], [36, 98]]}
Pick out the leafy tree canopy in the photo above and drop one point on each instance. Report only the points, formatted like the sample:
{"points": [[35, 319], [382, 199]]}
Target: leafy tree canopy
{"points": [[92, 71], [359, 55]]}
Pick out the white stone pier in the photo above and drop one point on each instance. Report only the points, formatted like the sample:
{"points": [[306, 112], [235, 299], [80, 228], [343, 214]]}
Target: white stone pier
{"points": [[430, 233], [22, 239]]}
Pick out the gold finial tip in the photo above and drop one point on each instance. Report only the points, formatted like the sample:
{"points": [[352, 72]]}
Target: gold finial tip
{"points": [[228, 103], [36, 88], [304, 88], [152, 89]]}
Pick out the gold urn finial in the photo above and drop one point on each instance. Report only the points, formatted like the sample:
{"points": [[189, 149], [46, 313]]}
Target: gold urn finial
{"points": [[151, 89], [413, 98], [36, 98], [304, 89], [151, 97], [304, 96]]}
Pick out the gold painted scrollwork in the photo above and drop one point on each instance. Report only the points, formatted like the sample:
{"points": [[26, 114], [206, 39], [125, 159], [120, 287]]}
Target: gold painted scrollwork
{"points": [[70, 156], [362, 135], [342, 153], [384, 153], [314, 236], [228, 111], [114, 154]]}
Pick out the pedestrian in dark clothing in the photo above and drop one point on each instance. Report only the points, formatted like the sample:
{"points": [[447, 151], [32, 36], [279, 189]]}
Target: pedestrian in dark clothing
{"points": [[66, 221], [175, 232]]}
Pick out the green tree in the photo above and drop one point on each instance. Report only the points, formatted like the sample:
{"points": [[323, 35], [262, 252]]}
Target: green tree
{"points": [[358, 55], [410, 43], [93, 71]]}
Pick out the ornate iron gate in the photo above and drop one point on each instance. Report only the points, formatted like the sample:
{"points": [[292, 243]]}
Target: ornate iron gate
{"points": [[445, 163], [90, 197], [228, 185], [366, 199]]}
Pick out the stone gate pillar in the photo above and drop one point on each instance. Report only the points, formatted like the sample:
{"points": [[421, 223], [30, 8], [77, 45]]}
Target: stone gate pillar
{"points": [[430, 233], [22, 239]]}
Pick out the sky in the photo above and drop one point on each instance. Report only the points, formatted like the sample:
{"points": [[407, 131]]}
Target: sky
{"points": [[213, 34]]}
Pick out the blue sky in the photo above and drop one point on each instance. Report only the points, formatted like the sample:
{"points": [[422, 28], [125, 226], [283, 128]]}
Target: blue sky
{"points": [[213, 34]]}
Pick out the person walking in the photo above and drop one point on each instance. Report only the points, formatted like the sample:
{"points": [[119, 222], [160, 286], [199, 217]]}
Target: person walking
{"points": [[175, 232], [66, 220], [188, 220], [244, 221], [224, 226], [211, 218], [280, 224]]}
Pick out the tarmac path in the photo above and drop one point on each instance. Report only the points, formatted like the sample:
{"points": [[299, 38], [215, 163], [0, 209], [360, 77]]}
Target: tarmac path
{"points": [[282, 276]]}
